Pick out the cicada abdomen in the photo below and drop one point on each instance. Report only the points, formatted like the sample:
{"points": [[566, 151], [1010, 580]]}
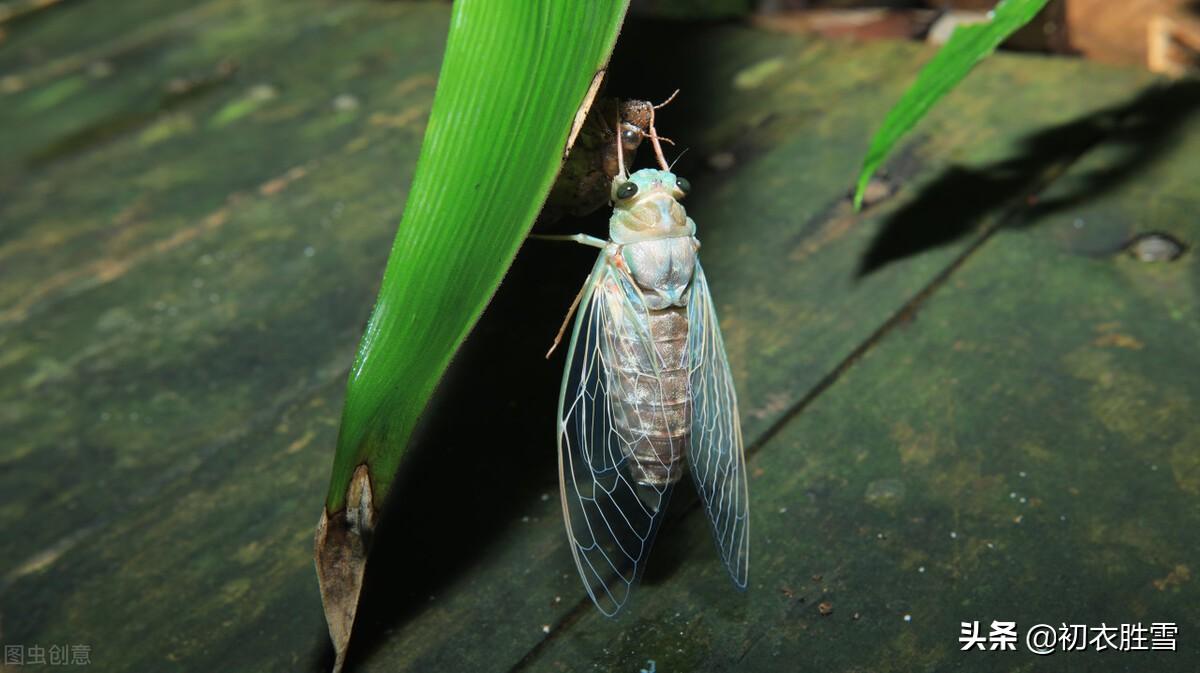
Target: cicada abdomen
{"points": [[651, 401]]}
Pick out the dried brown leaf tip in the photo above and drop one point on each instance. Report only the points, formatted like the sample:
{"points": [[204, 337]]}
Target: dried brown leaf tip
{"points": [[342, 543]]}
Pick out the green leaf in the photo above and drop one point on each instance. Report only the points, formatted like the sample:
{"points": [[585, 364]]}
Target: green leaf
{"points": [[968, 45], [514, 75]]}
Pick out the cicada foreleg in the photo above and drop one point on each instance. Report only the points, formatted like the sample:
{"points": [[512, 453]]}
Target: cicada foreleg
{"points": [[576, 238]]}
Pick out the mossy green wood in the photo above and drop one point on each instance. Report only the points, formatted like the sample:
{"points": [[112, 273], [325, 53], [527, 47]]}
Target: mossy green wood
{"points": [[83, 90], [41, 39], [78, 251], [514, 75], [967, 46], [186, 288]]}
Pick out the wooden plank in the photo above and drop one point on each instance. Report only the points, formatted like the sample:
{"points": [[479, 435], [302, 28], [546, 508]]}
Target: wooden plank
{"points": [[200, 482], [124, 296], [76, 71], [161, 75], [1022, 448], [33, 39]]}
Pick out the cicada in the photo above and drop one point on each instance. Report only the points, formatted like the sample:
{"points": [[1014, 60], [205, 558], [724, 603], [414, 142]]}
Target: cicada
{"points": [[647, 393]]}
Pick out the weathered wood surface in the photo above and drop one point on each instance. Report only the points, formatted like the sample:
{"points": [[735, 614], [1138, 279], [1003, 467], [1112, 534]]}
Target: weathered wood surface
{"points": [[185, 279]]}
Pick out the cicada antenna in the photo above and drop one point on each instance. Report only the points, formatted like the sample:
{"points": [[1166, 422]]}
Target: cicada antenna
{"points": [[677, 158], [654, 137]]}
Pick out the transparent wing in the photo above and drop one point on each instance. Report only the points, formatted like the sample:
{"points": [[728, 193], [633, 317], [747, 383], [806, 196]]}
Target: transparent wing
{"points": [[611, 519], [716, 456]]}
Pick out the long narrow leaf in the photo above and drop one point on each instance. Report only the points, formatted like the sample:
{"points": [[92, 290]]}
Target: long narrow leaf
{"points": [[514, 75], [969, 45]]}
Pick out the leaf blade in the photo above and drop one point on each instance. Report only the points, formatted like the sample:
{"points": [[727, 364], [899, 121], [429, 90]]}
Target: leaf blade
{"points": [[513, 77], [967, 46]]}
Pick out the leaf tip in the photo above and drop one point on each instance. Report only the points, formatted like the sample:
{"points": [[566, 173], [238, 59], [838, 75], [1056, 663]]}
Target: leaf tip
{"points": [[340, 553]]}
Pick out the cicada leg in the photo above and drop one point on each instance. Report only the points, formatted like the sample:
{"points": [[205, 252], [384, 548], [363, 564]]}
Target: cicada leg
{"points": [[567, 320], [576, 238]]}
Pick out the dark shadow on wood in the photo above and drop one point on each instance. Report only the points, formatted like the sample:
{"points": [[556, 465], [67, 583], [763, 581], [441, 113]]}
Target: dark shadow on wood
{"points": [[955, 203], [670, 551]]}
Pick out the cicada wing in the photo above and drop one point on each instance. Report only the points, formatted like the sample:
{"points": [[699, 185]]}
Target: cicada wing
{"points": [[717, 457], [611, 519]]}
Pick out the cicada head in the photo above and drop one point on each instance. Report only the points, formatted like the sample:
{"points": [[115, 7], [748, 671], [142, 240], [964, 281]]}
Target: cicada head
{"points": [[646, 206]]}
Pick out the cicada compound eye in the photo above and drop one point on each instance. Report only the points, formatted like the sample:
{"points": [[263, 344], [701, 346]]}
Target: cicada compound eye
{"points": [[626, 190], [683, 185]]}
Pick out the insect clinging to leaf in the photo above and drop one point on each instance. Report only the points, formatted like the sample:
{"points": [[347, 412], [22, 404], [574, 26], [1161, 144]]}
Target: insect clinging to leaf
{"points": [[647, 390]]}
